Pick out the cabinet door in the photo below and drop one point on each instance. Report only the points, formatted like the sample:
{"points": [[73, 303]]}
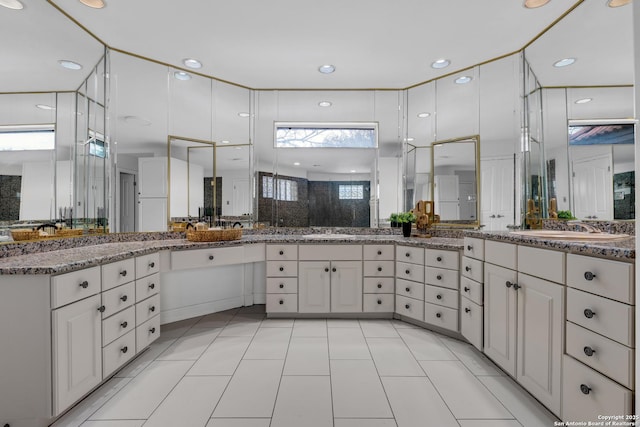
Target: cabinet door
{"points": [[152, 181], [346, 286], [500, 316], [540, 338], [77, 351], [152, 214], [314, 287]]}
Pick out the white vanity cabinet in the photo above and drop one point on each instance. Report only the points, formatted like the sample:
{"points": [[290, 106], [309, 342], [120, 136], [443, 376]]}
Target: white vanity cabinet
{"points": [[441, 298], [282, 278], [378, 286], [410, 282], [471, 295]]}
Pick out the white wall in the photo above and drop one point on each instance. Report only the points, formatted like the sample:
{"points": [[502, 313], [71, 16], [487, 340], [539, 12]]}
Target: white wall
{"points": [[390, 179], [228, 178], [36, 194]]}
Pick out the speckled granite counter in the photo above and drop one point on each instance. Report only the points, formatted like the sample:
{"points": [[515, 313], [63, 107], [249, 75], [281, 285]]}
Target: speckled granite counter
{"points": [[83, 256], [621, 250]]}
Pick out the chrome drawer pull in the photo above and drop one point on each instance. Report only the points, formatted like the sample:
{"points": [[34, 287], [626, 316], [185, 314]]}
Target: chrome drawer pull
{"points": [[152, 308], [585, 389], [588, 313], [123, 298], [152, 330], [588, 351], [589, 276], [124, 349], [152, 264], [123, 273], [84, 285], [152, 286], [124, 325]]}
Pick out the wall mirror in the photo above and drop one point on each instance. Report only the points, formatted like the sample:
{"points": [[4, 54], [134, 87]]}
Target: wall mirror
{"points": [[455, 180]]}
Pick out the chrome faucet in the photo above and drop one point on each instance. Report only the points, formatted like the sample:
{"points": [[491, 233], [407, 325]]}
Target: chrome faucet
{"points": [[586, 227]]}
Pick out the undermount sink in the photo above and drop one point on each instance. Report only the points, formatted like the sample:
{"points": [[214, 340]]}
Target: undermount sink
{"points": [[328, 236], [570, 235]]}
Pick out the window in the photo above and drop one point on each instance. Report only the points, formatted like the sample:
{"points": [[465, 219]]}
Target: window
{"points": [[326, 135], [22, 139], [285, 189], [350, 192]]}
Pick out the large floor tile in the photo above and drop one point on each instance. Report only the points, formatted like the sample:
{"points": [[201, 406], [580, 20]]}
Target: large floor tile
{"points": [[307, 356], [277, 323], [473, 359], [393, 358], [251, 393], [143, 360], [310, 328], [142, 395], [364, 422], [343, 323], [114, 423], [215, 320], [490, 423], [347, 343], [525, 408], [241, 328], [221, 357], [177, 329], [269, 343], [416, 403], [239, 422], [303, 401], [357, 391], [378, 329], [399, 324], [190, 346], [464, 394], [425, 345], [190, 403]]}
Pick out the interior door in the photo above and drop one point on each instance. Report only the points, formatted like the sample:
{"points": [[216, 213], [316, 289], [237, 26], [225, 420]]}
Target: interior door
{"points": [[127, 202], [593, 187], [240, 198], [497, 205]]}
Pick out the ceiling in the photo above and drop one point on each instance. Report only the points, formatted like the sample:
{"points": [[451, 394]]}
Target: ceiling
{"points": [[264, 45]]}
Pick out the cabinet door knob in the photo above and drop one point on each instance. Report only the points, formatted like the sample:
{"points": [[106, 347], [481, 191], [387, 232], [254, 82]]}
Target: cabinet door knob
{"points": [[439, 259], [585, 389], [281, 269], [152, 286], [508, 284], [152, 264], [281, 285], [407, 306], [333, 269], [439, 277], [84, 285], [123, 298], [281, 252], [326, 269], [379, 268], [281, 302], [407, 271], [408, 289], [379, 285], [123, 273], [124, 325], [467, 310], [152, 330], [124, 349], [438, 315], [379, 301], [408, 254], [152, 308], [589, 276], [588, 313], [467, 268], [466, 289], [439, 296], [516, 286], [211, 258], [379, 252], [469, 247], [588, 351], [101, 309]]}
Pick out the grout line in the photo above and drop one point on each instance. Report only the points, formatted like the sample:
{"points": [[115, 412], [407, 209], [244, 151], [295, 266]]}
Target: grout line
{"points": [[284, 362]]}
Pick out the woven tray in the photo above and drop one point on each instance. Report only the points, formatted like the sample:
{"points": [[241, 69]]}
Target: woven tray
{"points": [[67, 232], [214, 235], [25, 234]]}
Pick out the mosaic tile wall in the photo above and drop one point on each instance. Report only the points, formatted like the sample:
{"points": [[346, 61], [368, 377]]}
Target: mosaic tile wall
{"points": [[10, 197]]}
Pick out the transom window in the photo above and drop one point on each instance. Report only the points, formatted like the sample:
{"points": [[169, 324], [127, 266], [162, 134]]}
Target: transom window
{"points": [[326, 135], [280, 189], [350, 192]]}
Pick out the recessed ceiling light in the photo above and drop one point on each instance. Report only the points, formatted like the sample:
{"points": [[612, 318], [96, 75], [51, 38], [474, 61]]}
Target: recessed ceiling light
{"points": [[12, 4], [440, 63], [96, 4], [69, 65], [584, 100], [238, 148], [327, 69], [224, 142], [192, 63], [463, 80], [324, 104], [532, 4], [44, 107], [296, 163], [617, 3], [564, 62], [410, 139], [181, 75], [423, 115], [135, 120], [243, 114]]}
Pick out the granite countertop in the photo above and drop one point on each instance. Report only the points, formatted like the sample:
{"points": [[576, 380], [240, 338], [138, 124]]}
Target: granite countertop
{"points": [[76, 258], [620, 250]]}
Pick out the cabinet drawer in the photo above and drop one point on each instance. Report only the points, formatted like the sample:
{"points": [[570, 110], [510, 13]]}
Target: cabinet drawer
{"points": [[471, 319], [410, 254], [442, 259], [474, 248], [542, 263], [282, 303], [378, 252], [606, 317], [282, 268], [443, 317], [441, 296], [201, 258], [74, 286], [410, 271], [118, 353], [147, 333], [410, 289], [586, 394], [471, 289], [379, 285], [254, 252], [147, 286], [148, 308], [442, 277], [282, 285], [500, 253], [409, 307], [377, 303], [378, 268], [612, 359], [118, 273], [118, 325], [473, 269], [330, 252], [282, 252], [117, 299], [612, 279], [147, 264]]}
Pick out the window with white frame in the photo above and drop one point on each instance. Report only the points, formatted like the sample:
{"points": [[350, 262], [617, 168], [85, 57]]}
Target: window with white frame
{"points": [[280, 189], [350, 191]]}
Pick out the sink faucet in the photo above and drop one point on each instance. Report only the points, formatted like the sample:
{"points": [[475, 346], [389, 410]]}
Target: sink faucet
{"points": [[586, 227]]}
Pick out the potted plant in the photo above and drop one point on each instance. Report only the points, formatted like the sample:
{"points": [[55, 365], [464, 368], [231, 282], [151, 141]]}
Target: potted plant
{"points": [[393, 219], [406, 218]]}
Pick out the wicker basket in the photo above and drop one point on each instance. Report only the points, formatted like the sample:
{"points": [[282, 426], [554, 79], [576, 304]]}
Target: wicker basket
{"points": [[68, 232], [179, 226], [214, 235], [25, 234]]}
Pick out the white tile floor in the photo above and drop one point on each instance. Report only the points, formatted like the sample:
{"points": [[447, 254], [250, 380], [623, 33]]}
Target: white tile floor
{"points": [[239, 369]]}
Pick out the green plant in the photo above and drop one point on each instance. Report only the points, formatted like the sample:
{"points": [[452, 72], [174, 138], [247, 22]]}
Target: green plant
{"points": [[393, 217], [565, 215], [404, 217]]}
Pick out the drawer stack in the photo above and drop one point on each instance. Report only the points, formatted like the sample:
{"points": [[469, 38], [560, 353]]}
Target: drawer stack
{"points": [[282, 278], [471, 291], [441, 288], [598, 375], [147, 300], [378, 291], [410, 282]]}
